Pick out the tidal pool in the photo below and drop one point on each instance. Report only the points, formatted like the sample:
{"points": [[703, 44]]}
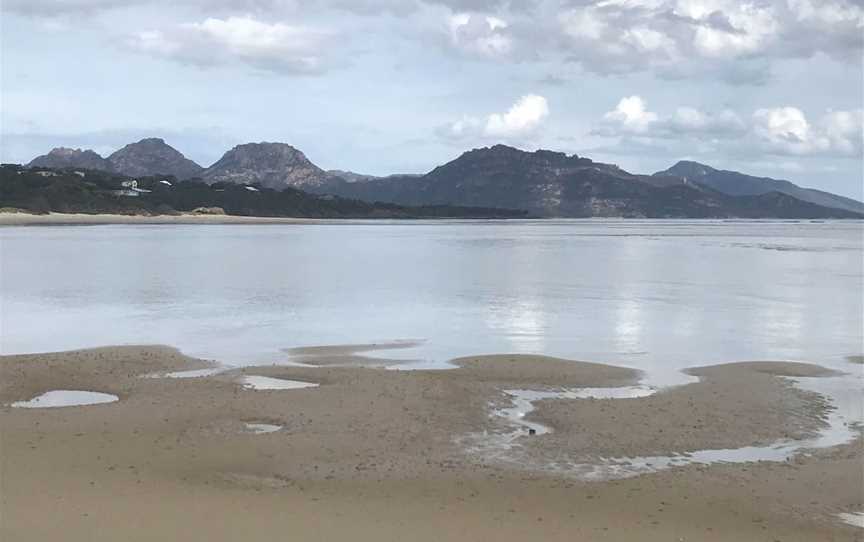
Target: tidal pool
{"points": [[844, 423], [262, 428], [268, 383], [856, 519], [66, 398], [194, 373]]}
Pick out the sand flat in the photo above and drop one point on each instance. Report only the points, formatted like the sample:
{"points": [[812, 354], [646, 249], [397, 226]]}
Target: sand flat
{"points": [[350, 354], [374, 455], [733, 405]]}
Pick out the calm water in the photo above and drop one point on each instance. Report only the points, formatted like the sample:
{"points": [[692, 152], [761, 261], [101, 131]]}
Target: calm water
{"points": [[658, 295]]}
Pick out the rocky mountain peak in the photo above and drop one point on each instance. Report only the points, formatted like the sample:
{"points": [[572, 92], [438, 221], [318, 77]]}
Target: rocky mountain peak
{"points": [[152, 156], [272, 165], [690, 170], [508, 160], [65, 157]]}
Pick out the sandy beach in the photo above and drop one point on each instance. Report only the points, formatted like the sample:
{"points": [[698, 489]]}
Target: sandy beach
{"points": [[375, 454], [69, 219]]}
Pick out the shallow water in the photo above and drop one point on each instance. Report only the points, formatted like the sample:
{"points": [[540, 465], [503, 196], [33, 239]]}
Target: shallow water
{"points": [[262, 428], [523, 403], [66, 398], [268, 383], [856, 519], [844, 424], [193, 373], [658, 295]]}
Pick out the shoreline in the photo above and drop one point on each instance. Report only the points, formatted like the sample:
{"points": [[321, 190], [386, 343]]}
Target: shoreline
{"points": [[173, 452], [82, 219]]}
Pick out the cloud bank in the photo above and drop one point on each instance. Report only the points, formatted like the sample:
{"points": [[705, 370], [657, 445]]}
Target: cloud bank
{"points": [[735, 41], [275, 47], [783, 130]]}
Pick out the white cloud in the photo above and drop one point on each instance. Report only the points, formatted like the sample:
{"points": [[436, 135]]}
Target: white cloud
{"points": [[750, 29], [630, 114], [519, 122], [844, 130], [480, 35], [724, 38], [275, 47], [782, 125], [768, 131], [525, 115], [828, 11], [734, 40], [786, 130]]}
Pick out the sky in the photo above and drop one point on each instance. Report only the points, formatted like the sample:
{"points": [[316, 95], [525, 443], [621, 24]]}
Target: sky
{"points": [[767, 87]]}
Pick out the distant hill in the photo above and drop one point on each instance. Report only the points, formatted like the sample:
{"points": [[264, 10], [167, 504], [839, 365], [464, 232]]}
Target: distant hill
{"points": [[542, 183], [554, 184], [90, 191], [153, 156], [350, 176], [63, 157], [740, 184], [150, 156], [272, 165]]}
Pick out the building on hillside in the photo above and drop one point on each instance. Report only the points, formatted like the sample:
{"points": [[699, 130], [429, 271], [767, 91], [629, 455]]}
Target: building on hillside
{"points": [[130, 189]]}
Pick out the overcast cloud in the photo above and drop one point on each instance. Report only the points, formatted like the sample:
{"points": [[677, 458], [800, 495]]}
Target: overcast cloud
{"points": [[381, 86]]}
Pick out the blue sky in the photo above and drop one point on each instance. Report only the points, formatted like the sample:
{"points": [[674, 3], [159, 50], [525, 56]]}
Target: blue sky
{"points": [[769, 87]]}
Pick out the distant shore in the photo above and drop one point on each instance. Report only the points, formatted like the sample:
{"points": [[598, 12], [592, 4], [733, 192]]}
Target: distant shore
{"points": [[59, 219], [374, 454], [83, 219]]}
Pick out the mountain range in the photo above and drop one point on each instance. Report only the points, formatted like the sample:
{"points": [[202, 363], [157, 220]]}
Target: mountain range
{"points": [[739, 184], [151, 156], [544, 183]]}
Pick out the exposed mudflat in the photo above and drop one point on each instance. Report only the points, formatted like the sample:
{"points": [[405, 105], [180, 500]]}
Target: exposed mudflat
{"points": [[350, 354], [733, 405], [372, 454]]}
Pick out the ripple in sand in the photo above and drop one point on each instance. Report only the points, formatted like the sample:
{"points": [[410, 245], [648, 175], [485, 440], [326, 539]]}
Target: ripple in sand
{"points": [[268, 383], [66, 398]]}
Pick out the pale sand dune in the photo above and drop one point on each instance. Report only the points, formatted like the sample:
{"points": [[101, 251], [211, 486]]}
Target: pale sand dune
{"points": [[374, 455]]}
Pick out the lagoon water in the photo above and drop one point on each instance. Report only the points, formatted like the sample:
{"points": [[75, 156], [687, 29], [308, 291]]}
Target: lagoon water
{"points": [[658, 295]]}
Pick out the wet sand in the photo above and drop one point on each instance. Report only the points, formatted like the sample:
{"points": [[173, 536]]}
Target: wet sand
{"points": [[349, 354], [732, 405], [376, 455]]}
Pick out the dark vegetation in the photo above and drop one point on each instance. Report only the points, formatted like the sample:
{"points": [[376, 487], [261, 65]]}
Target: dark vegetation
{"points": [[93, 192]]}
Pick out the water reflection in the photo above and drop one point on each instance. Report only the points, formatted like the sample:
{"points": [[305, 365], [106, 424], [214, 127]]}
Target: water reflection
{"points": [[654, 294]]}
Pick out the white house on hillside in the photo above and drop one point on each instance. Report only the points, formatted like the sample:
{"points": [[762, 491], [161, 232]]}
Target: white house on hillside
{"points": [[130, 189]]}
